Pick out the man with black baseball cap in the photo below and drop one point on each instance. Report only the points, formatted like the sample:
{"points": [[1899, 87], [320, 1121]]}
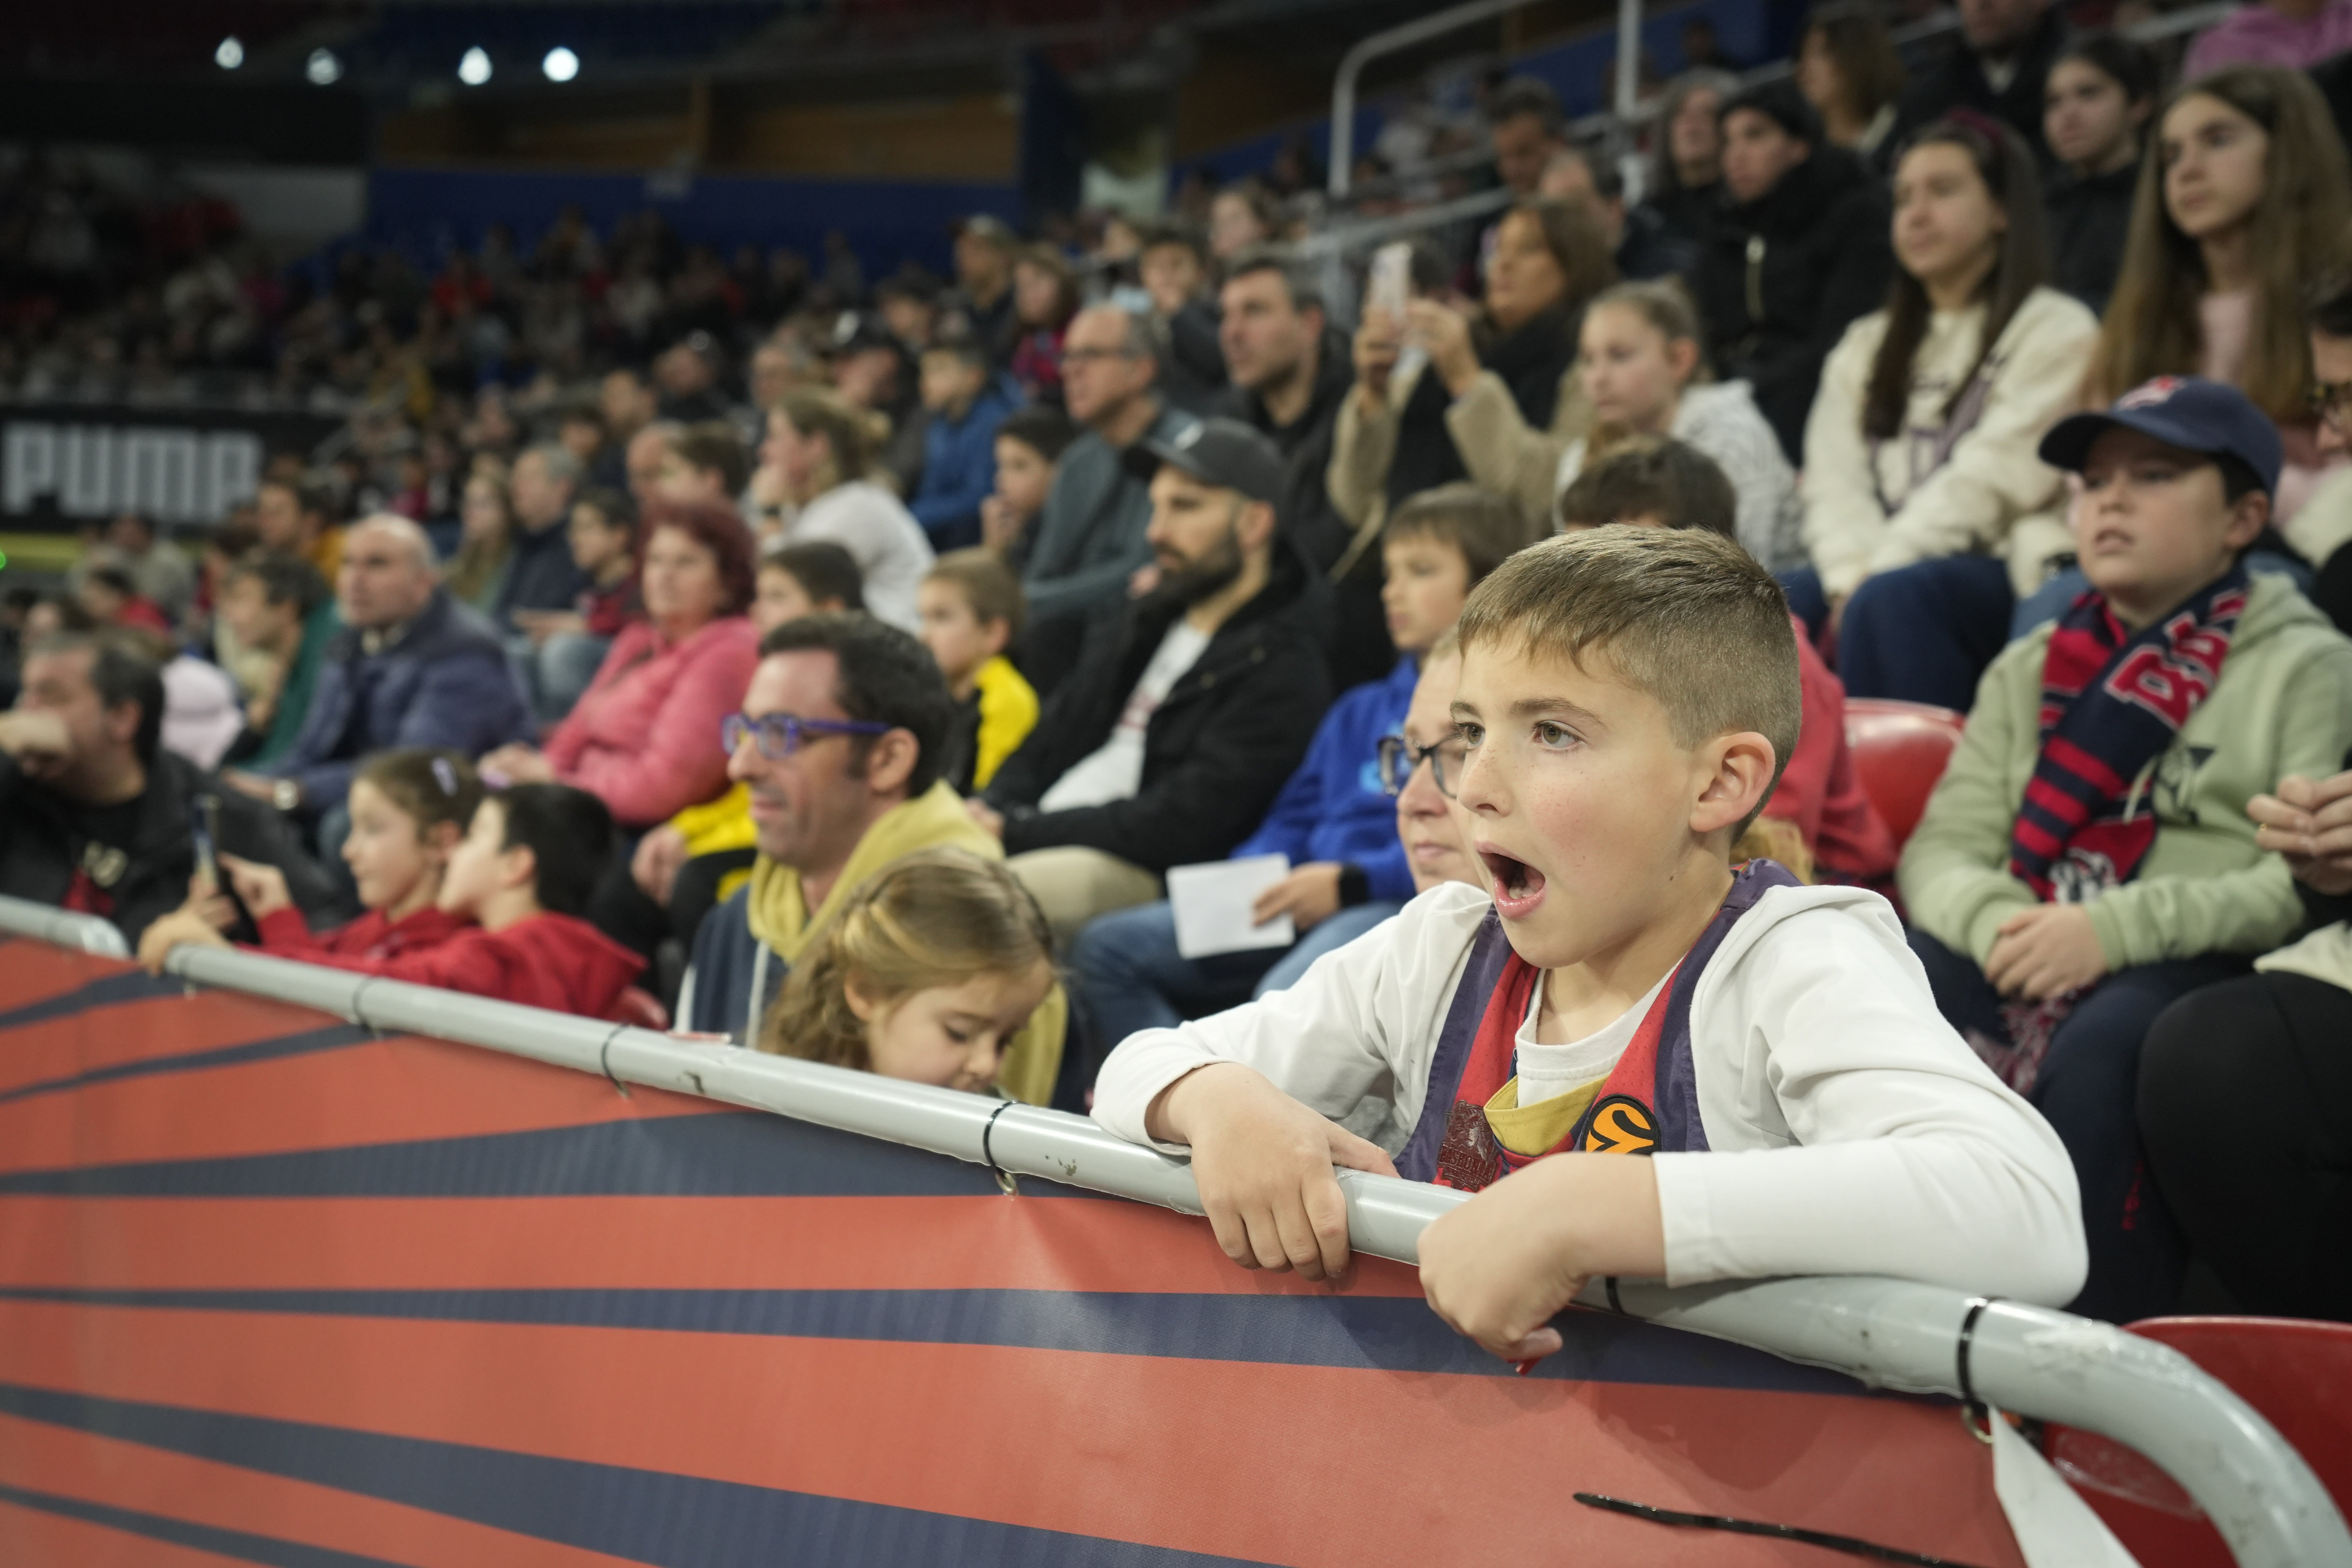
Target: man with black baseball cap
{"points": [[1195, 703], [2088, 859]]}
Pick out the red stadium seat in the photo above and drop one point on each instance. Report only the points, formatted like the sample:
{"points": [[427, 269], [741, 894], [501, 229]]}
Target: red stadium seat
{"points": [[1900, 750], [641, 1008], [2291, 1372]]}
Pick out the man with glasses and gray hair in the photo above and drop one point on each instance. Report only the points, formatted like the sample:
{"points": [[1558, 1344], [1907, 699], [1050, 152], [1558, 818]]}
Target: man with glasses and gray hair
{"points": [[840, 741], [1089, 540]]}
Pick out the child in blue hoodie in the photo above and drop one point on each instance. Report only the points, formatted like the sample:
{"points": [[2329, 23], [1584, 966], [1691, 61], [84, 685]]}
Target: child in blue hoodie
{"points": [[1333, 818], [966, 404]]}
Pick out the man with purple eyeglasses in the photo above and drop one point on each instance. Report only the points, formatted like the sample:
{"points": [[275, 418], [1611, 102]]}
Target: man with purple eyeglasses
{"points": [[839, 740]]}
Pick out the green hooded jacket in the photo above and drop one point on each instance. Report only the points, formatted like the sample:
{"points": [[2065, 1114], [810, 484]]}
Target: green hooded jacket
{"points": [[2284, 705]]}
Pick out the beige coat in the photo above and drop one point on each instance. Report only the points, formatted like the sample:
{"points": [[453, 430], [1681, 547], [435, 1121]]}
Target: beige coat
{"points": [[1872, 506]]}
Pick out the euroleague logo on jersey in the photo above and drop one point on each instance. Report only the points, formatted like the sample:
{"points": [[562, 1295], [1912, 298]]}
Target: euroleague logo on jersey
{"points": [[1621, 1125]]}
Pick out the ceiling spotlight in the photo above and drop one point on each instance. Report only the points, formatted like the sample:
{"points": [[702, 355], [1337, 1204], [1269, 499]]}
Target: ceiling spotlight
{"points": [[231, 53], [474, 70], [323, 69], [561, 63]]}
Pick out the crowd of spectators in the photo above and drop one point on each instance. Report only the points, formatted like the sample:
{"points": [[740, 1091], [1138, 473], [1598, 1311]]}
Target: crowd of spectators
{"points": [[670, 626]]}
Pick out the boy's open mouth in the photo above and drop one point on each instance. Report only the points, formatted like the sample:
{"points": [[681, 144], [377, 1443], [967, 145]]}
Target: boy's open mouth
{"points": [[1518, 886]]}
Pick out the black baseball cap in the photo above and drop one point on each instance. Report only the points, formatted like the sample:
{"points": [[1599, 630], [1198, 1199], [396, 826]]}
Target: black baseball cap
{"points": [[1226, 453], [2184, 411]]}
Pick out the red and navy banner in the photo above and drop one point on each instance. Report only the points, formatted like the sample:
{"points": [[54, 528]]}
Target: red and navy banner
{"points": [[274, 1289]]}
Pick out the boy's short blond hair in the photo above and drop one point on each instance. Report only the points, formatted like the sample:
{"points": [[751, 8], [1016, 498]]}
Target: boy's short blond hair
{"points": [[1685, 617], [988, 585]]}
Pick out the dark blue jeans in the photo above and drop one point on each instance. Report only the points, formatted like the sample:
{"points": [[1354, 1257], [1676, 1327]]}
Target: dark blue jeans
{"points": [[2088, 1089], [1922, 633]]}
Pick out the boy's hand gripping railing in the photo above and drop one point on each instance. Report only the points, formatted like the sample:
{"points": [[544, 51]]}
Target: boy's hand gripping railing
{"points": [[2257, 1491]]}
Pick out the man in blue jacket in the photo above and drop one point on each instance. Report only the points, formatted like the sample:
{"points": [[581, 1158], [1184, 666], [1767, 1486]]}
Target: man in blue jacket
{"points": [[412, 666], [966, 402]]}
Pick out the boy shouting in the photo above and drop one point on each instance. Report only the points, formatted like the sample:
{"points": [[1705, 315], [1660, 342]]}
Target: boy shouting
{"points": [[1627, 696]]}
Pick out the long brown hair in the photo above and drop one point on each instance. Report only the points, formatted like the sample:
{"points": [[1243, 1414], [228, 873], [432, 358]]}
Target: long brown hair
{"points": [[2298, 232], [2023, 265], [937, 917]]}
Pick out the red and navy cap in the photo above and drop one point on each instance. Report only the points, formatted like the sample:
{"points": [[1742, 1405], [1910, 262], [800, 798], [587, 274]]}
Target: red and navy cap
{"points": [[2184, 411]]}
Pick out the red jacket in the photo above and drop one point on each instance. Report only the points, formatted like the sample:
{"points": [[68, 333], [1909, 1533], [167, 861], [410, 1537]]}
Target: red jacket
{"points": [[644, 738], [1819, 790], [548, 960], [286, 935]]}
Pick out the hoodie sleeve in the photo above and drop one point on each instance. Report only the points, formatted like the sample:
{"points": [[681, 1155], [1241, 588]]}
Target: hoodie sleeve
{"points": [[1905, 1155], [1362, 446], [1954, 873], [1508, 456]]}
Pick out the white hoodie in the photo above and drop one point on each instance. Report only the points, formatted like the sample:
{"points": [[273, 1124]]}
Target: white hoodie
{"points": [[1850, 1130]]}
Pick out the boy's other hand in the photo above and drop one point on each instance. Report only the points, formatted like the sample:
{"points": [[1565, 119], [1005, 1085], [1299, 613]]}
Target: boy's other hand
{"points": [[1263, 1162], [261, 889], [2311, 825], [1502, 1266], [1309, 896], [2046, 952]]}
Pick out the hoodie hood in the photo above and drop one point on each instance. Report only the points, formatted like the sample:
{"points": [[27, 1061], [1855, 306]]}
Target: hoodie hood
{"points": [[580, 967], [2275, 607]]}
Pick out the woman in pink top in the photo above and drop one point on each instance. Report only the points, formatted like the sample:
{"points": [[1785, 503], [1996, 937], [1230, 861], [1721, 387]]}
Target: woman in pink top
{"points": [[640, 739]]}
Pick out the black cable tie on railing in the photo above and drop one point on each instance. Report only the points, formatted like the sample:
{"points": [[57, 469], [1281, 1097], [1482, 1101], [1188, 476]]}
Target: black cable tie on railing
{"points": [[359, 1013], [605, 1060], [1851, 1544], [1004, 1178], [1609, 1283], [1972, 1409]]}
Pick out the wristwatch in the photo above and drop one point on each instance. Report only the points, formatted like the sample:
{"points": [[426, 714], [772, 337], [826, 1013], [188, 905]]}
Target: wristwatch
{"points": [[285, 795]]}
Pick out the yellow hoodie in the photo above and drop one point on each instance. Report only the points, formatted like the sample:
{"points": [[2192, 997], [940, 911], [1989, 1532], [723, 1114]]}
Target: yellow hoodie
{"points": [[782, 920]]}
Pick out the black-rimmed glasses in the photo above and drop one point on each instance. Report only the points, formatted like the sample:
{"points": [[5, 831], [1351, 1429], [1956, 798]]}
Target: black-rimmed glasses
{"points": [[1399, 757], [779, 735]]}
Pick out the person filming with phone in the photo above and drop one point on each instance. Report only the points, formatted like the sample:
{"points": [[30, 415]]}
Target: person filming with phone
{"points": [[96, 817]]}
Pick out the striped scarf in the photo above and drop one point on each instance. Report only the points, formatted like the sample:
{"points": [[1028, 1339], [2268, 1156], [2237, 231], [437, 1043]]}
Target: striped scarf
{"points": [[2112, 702]]}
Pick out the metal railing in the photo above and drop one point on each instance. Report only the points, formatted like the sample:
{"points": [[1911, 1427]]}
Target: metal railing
{"points": [[1629, 112], [1890, 1333]]}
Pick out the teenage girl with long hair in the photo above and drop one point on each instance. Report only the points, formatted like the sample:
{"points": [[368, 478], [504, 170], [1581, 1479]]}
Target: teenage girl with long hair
{"points": [[1925, 507]]}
